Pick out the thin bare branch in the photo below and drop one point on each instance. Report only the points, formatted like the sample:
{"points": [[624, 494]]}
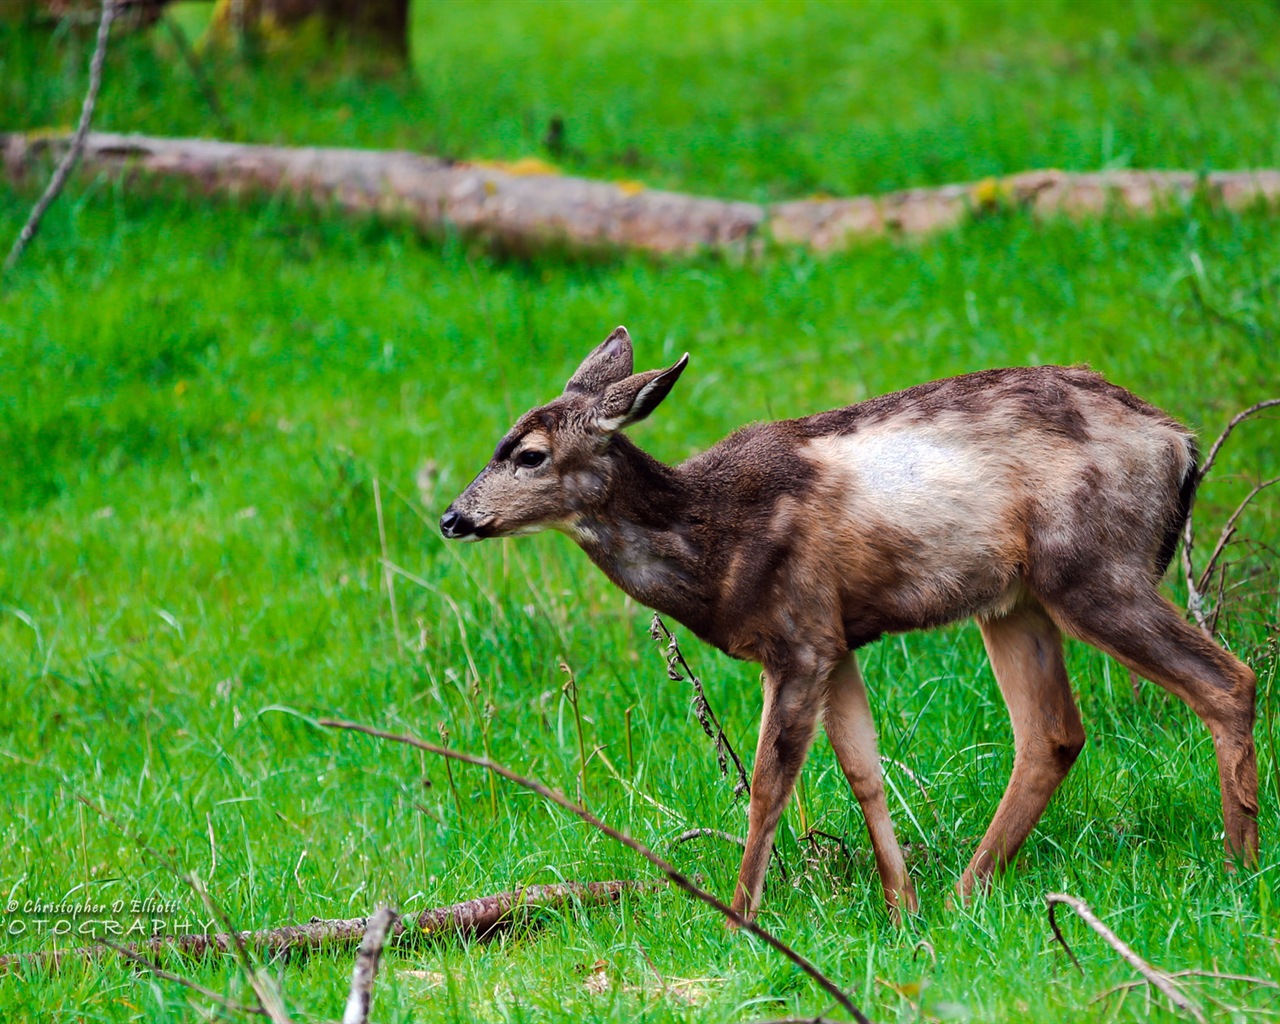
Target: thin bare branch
{"points": [[1153, 975], [1195, 599], [63, 171], [678, 670], [1198, 583], [678, 879], [365, 971], [1228, 531], [227, 1004], [1235, 421]]}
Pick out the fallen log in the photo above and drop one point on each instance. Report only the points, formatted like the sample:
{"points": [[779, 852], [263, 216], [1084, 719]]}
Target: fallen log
{"points": [[516, 211], [478, 918], [527, 206]]}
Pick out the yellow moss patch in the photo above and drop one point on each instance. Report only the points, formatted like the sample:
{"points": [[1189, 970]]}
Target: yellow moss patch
{"points": [[989, 192], [526, 165]]}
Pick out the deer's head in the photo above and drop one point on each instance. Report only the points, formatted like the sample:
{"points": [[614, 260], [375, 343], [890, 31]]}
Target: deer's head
{"points": [[554, 465]]}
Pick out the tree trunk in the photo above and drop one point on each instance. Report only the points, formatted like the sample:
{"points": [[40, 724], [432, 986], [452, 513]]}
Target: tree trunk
{"points": [[130, 15], [378, 28]]}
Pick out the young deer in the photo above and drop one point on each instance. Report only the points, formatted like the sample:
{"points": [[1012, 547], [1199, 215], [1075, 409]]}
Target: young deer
{"points": [[1039, 501]]}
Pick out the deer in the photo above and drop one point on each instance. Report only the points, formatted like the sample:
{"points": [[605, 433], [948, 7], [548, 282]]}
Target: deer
{"points": [[1042, 502]]}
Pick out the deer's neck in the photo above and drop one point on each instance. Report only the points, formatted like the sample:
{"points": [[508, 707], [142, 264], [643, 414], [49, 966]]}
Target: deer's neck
{"points": [[641, 536]]}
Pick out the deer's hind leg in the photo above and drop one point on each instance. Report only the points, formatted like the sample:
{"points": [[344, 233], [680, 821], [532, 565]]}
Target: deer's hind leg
{"points": [[1142, 630], [851, 729], [1025, 649]]}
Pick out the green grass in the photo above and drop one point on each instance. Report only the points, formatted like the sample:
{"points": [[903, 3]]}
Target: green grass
{"points": [[196, 399]]}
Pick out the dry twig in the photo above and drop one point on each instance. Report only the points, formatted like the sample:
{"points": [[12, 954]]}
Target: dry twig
{"points": [[678, 670], [69, 158], [366, 968], [678, 879], [1198, 584], [1153, 975]]}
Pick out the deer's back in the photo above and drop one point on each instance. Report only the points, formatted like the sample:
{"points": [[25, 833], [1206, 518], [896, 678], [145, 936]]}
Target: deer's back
{"points": [[951, 498]]}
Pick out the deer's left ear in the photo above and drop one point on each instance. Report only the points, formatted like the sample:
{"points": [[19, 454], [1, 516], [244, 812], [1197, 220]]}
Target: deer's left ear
{"points": [[608, 363], [631, 400]]}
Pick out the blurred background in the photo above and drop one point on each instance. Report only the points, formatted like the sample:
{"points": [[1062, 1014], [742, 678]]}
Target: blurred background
{"points": [[749, 100]]}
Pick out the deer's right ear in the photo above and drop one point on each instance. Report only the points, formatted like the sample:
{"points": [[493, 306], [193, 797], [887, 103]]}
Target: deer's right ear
{"points": [[608, 363], [631, 400]]}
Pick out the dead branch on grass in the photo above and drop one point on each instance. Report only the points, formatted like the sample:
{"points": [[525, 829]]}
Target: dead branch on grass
{"points": [[679, 671], [271, 942], [366, 967], [678, 879], [1198, 584], [484, 916], [1152, 975], [69, 158], [475, 918]]}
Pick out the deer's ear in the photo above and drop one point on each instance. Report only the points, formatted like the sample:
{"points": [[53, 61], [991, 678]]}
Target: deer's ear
{"points": [[608, 363], [631, 400]]}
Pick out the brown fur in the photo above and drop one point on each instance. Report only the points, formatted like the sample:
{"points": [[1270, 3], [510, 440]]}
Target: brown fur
{"points": [[1037, 500]]}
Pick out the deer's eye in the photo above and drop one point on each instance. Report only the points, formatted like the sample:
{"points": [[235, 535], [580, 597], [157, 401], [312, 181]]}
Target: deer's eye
{"points": [[530, 458]]}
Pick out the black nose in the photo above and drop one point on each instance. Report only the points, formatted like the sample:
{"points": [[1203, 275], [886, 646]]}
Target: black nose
{"points": [[455, 524]]}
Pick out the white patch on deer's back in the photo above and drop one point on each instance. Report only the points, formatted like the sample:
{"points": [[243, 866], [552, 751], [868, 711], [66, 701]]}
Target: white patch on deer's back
{"points": [[913, 478], [899, 465], [951, 500]]}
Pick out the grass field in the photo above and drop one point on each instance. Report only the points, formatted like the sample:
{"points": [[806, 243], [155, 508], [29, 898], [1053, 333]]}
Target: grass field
{"points": [[197, 400]]}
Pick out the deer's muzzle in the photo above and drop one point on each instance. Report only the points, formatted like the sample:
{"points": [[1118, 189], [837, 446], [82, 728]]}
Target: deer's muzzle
{"points": [[456, 526]]}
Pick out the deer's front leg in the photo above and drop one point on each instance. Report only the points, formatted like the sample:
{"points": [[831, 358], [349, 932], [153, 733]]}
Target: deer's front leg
{"points": [[791, 706], [853, 738]]}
